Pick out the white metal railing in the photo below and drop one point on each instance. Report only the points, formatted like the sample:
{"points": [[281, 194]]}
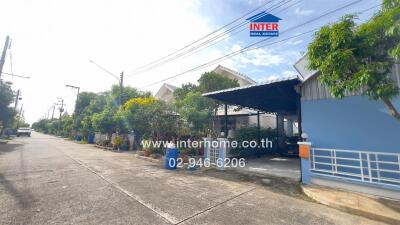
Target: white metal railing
{"points": [[364, 166], [214, 155]]}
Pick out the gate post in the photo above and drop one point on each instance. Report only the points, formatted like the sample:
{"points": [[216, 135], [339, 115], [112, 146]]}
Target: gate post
{"points": [[207, 147], [223, 142], [304, 153]]}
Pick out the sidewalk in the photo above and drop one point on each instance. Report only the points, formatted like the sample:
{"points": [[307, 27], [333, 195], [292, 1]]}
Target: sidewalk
{"points": [[359, 204]]}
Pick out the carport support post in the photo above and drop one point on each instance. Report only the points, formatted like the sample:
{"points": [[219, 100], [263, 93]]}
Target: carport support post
{"points": [[258, 128], [258, 135], [280, 131], [226, 122], [304, 175]]}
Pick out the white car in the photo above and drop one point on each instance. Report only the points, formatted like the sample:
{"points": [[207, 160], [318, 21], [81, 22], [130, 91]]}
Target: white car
{"points": [[24, 131]]}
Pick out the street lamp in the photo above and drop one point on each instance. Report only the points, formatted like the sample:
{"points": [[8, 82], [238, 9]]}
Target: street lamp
{"points": [[77, 95]]}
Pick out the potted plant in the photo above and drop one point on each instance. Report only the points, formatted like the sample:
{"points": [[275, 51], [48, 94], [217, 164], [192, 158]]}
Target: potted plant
{"points": [[183, 152], [118, 142], [125, 145], [147, 152]]}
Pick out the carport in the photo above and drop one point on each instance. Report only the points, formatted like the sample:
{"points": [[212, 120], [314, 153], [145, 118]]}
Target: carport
{"points": [[278, 97]]}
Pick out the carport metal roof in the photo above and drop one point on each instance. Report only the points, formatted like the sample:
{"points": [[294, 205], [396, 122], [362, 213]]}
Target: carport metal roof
{"points": [[275, 96]]}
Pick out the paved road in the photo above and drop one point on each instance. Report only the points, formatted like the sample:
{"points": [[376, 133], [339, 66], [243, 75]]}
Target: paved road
{"points": [[47, 180]]}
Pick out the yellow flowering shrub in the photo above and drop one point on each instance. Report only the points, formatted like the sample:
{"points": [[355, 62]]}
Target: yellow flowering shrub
{"points": [[139, 101]]}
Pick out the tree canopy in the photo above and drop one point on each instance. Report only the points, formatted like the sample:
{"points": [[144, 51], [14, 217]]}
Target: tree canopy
{"points": [[6, 112], [197, 111]]}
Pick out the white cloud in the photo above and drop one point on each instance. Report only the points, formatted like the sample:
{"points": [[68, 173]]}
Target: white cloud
{"points": [[303, 12], [294, 42], [289, 73], [257, 57], [266, 79]]}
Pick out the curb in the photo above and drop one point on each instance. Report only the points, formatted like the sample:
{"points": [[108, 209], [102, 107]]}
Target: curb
{"points": [[355, 203], [148, 159]]}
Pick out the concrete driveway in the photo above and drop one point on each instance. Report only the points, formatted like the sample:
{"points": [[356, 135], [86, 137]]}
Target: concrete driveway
{"points": [[48, 180]]}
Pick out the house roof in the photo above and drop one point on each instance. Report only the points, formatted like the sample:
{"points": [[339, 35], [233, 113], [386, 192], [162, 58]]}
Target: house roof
{"points": [[301, 67], [166, 86], [170, 87], [264, 17], [244, 77]]}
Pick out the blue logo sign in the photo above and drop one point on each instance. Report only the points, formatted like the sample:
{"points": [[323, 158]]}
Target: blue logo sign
{"points": [[264, 25]]}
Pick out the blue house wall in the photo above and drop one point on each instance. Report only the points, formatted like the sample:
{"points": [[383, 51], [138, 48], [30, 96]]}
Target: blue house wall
{"points": [[353, 123], [357, 124]]}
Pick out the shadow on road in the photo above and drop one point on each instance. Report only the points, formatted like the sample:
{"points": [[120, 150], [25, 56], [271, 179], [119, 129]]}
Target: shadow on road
{"points": [[22, 197], [5, 148], [280, 185]]}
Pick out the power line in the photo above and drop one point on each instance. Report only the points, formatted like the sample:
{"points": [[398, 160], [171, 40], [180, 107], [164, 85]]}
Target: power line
{"points": [[249, 47], [232, 34], [159, 61], [15, 75], [213, 32], [210, 40], [226, 56]]}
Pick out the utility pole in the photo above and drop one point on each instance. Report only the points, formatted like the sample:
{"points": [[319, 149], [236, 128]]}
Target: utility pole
{"points": [[120, 80], [121, 87], [3, 55], [54, 107], [61, 110], [19, 115], [77, 95], [16, 99]]}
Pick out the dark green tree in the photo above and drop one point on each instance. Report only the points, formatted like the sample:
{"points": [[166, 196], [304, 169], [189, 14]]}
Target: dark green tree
{"points": [[200, 112], [181, 92], [212, 81], [7, 113]]}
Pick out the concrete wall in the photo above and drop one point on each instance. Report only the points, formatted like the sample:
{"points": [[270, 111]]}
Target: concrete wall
{"points": [[353, 123]]}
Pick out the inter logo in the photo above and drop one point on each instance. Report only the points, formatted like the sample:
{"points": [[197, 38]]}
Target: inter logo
{"points": [[264, 25]]}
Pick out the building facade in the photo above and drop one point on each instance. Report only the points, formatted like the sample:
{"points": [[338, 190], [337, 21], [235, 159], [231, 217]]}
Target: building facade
{"points": [[353, 140]]}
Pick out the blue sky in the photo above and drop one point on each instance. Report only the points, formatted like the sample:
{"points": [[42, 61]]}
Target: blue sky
{"points": [[278, 58]]}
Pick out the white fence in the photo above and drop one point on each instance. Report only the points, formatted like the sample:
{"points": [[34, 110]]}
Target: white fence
{"points": [[99, 137], [364, 166]]}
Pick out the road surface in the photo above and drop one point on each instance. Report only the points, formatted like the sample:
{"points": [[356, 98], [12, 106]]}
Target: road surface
{"points": [[48, 180]]}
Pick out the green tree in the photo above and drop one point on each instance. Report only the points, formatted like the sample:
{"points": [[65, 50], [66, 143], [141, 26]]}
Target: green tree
{"points": [[182, 91], [211, 81], [67, 125], [6, 112], [104, 121], [86, 105], [197, 113], [359, 58], [149, 117]]}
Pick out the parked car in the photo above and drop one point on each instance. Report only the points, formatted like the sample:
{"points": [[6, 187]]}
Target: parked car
{"points": [[24, 131], [9, 131]]}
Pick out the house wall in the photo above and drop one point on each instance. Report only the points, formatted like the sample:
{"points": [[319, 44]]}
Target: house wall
{"points": [[353, 123], [165, 95]]}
